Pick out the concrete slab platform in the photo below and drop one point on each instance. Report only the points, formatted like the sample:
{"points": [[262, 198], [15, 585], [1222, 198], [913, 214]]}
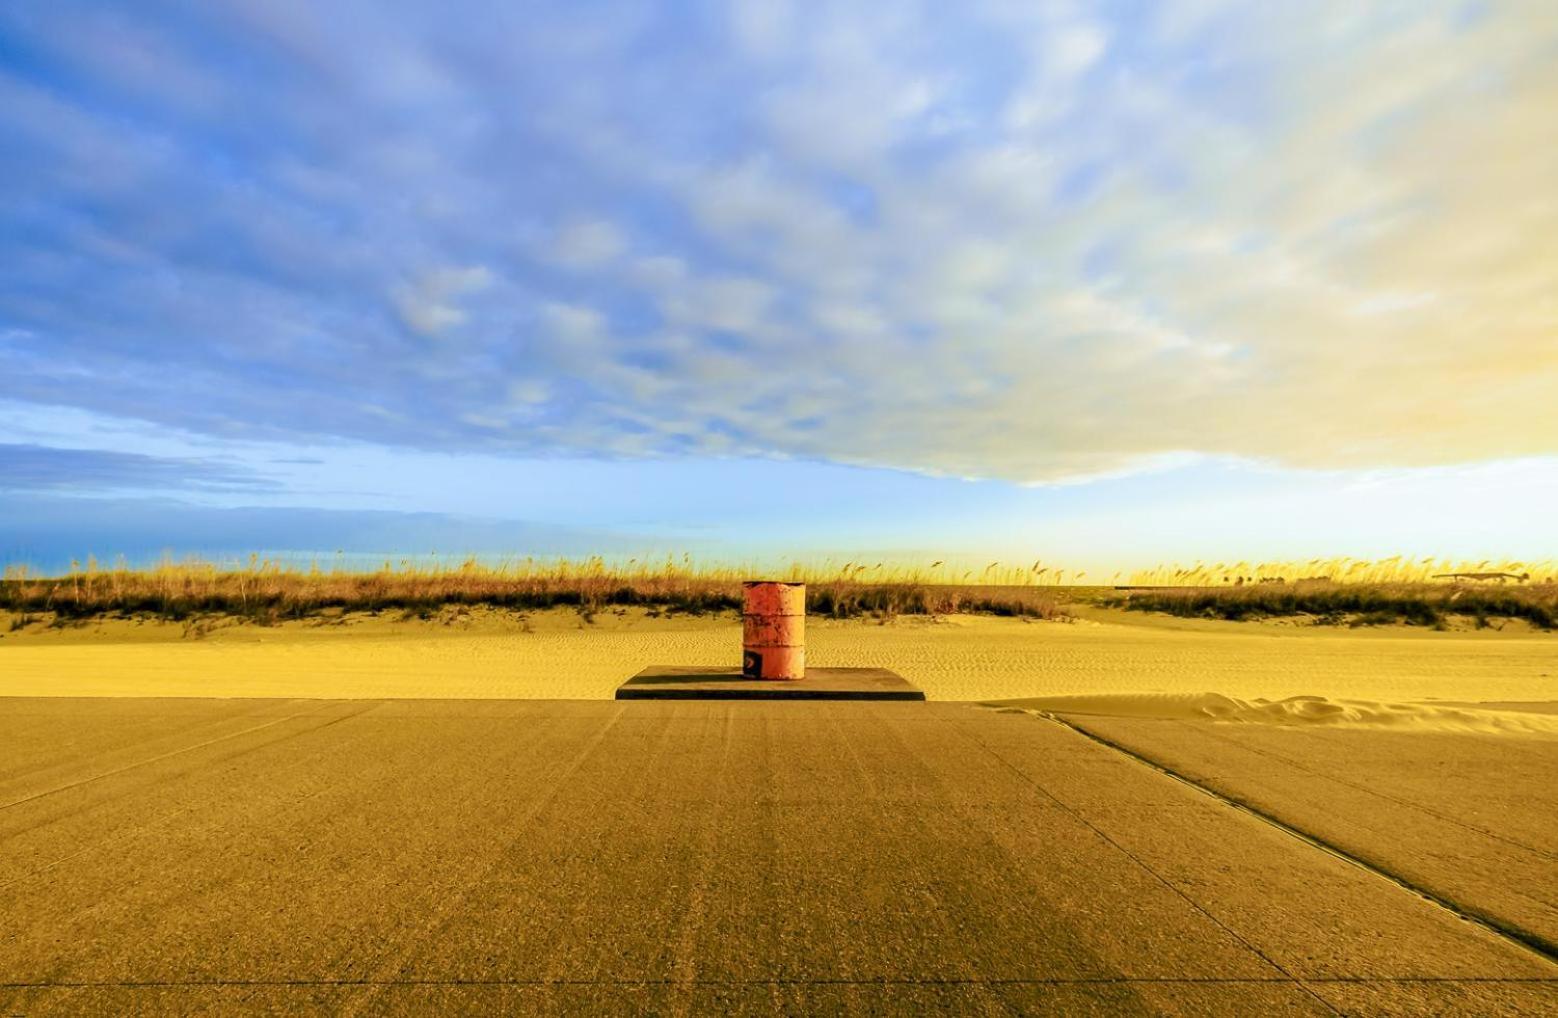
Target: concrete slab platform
{"points": [[677, 682], [1469, 818], [765, 858]]}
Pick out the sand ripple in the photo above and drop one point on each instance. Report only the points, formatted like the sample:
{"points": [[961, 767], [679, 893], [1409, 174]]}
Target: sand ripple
{"points": [[1298, 711], [560, 654]]}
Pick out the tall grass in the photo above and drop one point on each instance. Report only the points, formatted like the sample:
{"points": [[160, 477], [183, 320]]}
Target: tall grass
{"points": [[1423, 591], [268, 591], [1418, 603], [1396, 569]]}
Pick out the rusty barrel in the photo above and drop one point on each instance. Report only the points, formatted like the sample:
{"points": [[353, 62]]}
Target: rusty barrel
{"points": [[773, 630]]}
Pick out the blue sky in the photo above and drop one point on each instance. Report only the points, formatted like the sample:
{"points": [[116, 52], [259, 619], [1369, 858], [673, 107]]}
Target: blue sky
{"points": [[1108, 283]]}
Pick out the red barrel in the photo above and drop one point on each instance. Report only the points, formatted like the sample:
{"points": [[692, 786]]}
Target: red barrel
{"points": [[773, 630]]}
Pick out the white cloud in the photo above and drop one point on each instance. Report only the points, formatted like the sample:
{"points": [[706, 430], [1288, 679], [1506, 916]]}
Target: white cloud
{"points": [[729, 304], [1033, 240], [1225, 278], [799, 236], [849, 319], [856, 96], [1388, 303], [428, 306], [1072, 49], [573, 324], [529, 392], [762, 27], [658, 272], [588, 244]]}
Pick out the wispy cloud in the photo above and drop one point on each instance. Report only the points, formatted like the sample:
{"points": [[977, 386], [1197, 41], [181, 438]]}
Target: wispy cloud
{"points": [[429, 306], [47, 531], [1033, 241], [587, 244], [37, 468]]}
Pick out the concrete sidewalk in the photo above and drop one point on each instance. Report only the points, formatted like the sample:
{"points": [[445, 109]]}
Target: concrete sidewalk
{"points": [[567, 856]]}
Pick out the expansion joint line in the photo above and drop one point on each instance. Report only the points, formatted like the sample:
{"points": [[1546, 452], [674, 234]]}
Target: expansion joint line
{"points": [[1531, 942], [1160, 878], [1360, 787], [186, 749]]}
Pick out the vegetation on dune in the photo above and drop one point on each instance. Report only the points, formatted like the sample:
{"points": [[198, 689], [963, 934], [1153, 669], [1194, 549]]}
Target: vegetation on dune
{"points": [[1355, 592], [1420, 591], [1398, 569], [267, 592], [1417, 603]]}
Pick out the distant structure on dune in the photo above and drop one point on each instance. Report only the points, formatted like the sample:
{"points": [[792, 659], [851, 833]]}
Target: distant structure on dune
{"points": [[1487, 577]]}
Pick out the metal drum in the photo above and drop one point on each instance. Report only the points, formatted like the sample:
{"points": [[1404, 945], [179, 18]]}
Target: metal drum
{"points": [[773, 624]]}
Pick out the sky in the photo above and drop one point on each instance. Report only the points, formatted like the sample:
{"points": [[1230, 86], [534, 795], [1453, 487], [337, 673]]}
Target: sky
{"points": [[1109, 284]]}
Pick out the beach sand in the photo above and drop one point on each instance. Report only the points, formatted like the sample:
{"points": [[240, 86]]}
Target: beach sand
{"points": [[557, 654]]}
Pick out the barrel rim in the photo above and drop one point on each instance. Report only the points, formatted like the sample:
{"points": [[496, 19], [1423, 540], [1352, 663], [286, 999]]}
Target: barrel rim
{"points": [[773, 583]]}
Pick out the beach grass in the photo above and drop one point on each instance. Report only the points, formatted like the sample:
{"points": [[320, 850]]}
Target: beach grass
{"points": [[269, 591], [1424, 603], [1425, 592]]}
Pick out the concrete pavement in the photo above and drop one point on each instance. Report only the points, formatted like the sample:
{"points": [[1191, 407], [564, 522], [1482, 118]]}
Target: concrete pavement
{"points": [[673, 857], [1469, 818]]}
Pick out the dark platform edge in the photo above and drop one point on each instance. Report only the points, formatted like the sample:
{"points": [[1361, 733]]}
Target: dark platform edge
{"points": [[650, 693], [669, 683]]}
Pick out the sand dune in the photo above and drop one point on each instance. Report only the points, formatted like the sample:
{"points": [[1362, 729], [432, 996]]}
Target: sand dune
{"points": [[1301, 711], [558, 654]]}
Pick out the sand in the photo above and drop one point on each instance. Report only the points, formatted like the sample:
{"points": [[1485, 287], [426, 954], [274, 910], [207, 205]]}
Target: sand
{"points": [[556, 654], [1529, 719]]}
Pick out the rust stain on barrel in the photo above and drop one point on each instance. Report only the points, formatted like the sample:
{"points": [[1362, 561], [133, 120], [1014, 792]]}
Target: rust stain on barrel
{"points": [[773, 624]]}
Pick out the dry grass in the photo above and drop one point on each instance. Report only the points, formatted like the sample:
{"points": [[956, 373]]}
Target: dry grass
{"points": [[1426, 591], [1397, 569], [1418, 603], [265, 591]]}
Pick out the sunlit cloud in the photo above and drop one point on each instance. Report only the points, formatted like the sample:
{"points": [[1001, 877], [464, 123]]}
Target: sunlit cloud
{"points": [[1036, 242]]}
